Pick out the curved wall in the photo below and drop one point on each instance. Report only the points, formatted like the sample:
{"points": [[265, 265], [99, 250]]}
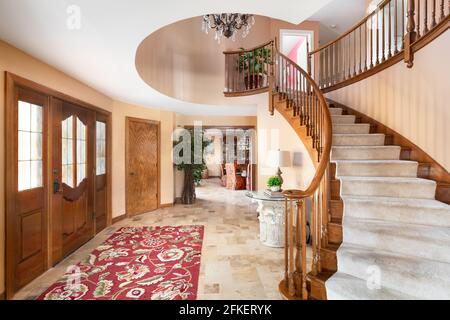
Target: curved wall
{"points": [[414, 102], [182, 62]]}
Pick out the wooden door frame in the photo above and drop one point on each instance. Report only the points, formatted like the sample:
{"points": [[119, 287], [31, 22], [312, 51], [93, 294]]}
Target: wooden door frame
{"points": [[13, 81], [127, 137]]}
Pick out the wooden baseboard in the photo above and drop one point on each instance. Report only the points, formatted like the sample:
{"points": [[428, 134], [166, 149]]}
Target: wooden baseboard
{"points": [[166, 205], [119, 218]]}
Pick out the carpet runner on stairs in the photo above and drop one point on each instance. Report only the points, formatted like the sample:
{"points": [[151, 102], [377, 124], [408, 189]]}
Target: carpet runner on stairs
{"points": [[396, 236], [136, 263]]}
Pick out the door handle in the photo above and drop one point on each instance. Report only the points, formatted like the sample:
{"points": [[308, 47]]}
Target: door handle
{"points": [[55, 186]]}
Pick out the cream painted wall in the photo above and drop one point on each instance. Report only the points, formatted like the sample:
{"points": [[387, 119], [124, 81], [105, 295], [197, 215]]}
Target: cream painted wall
{"points": [[122, 110], [414, 102], [274, 133], [183, 62]]}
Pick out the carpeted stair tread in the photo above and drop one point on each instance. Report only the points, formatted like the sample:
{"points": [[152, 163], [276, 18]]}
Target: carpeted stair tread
{"points": [[376, 168], [399, 272], [342, 286], [351, 128], [358, 139]]}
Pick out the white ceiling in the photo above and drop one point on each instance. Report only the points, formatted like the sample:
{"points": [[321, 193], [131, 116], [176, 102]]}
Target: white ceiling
{"points": [[342, 13], [102, 53]]}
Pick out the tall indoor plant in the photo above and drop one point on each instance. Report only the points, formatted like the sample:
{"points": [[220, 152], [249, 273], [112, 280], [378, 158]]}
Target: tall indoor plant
{"points": [[254, 65], [192, 169]]}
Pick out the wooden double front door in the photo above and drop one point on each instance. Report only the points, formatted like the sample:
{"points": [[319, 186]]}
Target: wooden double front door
{"points": [[73, 176], [56, 180]]}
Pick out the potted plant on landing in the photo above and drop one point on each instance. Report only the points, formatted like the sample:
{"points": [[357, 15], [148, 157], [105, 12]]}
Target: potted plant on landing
{"points": [[192, 169], [254, 66], [274, 183]]}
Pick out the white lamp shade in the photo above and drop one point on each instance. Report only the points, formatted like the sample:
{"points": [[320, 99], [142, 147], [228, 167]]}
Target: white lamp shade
{"points": [[278, 158]]}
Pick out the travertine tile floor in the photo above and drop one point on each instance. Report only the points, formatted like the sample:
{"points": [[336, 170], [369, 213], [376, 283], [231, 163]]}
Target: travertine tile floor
{"points": [[234, 264]]}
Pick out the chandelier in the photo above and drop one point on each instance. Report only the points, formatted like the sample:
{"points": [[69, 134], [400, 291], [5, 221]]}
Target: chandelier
{"points": [[228, 24]]}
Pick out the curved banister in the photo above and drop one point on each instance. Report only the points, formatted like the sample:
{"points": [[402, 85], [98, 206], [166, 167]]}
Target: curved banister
{"points": [[299, 93], [393, 31], [292, 90], [249, 49], [356, 26], [327, 126]]}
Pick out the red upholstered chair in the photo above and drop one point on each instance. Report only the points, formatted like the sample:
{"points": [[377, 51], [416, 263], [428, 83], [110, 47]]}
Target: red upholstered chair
{"points": [[234, 180]]}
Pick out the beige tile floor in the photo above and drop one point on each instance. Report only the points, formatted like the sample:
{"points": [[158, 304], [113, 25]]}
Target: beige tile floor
{"points": [[234, 264]]}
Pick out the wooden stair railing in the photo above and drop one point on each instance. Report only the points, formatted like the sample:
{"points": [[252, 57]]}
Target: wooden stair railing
{"points": [[295, 94], [392, 32], [247, 70], [305, 101]]}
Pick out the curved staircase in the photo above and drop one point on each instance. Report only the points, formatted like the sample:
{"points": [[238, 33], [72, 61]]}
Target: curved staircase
{"points": [[388, 238], [396, 236]]}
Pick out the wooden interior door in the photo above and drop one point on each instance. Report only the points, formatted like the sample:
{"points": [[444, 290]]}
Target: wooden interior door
{"points": [[142, 166], [73, 172], [27, 188]]}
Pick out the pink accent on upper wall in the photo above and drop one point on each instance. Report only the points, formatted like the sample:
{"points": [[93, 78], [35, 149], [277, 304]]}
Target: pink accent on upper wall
{"points": [[293, 53]]}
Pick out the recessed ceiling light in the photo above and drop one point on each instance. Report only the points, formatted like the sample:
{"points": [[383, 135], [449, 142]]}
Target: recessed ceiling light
{"points": [[332, 26]]}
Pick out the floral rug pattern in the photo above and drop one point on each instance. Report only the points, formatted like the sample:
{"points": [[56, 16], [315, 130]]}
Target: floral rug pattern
{"points": [[141, 263]]}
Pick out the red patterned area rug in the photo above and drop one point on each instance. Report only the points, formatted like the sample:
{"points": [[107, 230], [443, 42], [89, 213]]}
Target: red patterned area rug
{"points": [[140, 263]]}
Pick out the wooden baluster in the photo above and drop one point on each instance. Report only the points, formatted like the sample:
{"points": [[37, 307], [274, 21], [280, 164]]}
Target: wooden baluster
{"points": [[325, 220], [371, 42], [378, 40], [403, 24], [389, 34], [328, 66], [442, 17], [298, 249], [360, 49], [410, 36], [308, 54], [349, 61], [313, 234], [383, 29], [291, 259], [286, 242], [418, 19], [396, 27], [433, 15], [319, 226], [354, 53], [303, 246]]}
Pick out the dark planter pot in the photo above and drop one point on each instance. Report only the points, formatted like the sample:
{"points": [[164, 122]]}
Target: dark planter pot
{"points": [[253, 82]]}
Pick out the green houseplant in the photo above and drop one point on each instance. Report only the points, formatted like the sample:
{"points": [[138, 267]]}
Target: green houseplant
{"points": [[254, 65], [274, 183]]}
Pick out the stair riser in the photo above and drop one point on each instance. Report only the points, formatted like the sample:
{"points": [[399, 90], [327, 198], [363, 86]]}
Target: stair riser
{"points": [[376, 170], [399, 274], [334, 233], [382, 153], [343, 119], [335, 111], [328, 260], [351, 128], [358, 140], [397, 213], [336, 209], [414, 246], [388, 189]]}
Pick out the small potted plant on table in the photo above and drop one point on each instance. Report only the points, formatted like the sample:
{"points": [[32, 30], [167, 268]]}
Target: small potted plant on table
{"points": [[274, 183]]}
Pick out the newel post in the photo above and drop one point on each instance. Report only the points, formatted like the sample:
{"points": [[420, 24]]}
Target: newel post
{"points": [[410, 36]]}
